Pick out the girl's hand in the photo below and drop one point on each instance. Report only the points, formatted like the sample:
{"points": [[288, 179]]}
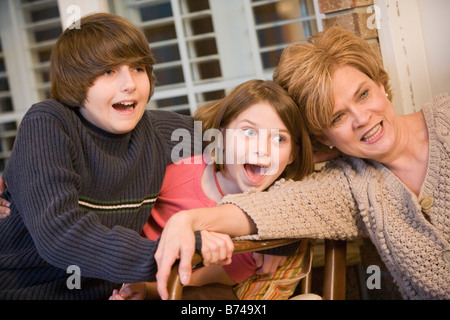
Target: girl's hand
{"points": [[4, 205], [217, 248], [268, 263], [130, 291]]}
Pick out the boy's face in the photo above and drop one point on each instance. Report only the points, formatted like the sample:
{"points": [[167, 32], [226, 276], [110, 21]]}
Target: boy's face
{"points": [[117, 99]]}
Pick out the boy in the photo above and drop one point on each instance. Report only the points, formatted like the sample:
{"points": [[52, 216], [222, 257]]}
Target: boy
{"points": [[86, 169]]}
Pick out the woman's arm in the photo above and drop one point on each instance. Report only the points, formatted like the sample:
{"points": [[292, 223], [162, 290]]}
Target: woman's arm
{"points": [[321, 206]]}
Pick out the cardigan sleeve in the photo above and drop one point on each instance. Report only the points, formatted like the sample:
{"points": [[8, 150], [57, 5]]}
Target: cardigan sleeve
{"points": [[321, 207]]}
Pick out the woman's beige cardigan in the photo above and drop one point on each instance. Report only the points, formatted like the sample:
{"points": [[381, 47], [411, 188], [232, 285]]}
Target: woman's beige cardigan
{"points": [[352, 197]]}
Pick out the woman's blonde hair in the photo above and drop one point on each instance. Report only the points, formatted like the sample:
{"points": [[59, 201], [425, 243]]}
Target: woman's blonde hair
{"points": [[221, 113], [305, 71], [81, 54]]}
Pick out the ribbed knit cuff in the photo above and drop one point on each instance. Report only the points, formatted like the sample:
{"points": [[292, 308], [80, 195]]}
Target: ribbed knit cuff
{"points": [[198, 242]]}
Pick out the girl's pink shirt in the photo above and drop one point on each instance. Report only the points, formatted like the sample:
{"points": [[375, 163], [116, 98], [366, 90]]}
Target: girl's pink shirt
{"points": [[182, 190]]}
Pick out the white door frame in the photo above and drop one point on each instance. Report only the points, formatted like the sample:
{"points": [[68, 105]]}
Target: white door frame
{"points": [[403, 51]]}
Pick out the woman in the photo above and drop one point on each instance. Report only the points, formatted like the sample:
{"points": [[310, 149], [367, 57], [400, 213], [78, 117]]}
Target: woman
{"points": [[391, 183]]}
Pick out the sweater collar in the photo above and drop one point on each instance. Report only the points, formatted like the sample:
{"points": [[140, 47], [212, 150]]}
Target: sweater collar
{"points": [[99, 131]]}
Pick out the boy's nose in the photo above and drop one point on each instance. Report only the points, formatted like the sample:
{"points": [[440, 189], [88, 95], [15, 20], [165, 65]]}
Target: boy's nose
{"points": [[127, 82]]}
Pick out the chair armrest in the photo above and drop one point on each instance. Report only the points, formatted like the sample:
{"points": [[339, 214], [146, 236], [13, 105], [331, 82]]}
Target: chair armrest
{"points": [[174, 286]]}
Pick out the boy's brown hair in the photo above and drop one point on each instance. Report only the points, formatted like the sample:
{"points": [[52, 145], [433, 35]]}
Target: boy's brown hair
{"points": [[224, 111], [81, 54]]}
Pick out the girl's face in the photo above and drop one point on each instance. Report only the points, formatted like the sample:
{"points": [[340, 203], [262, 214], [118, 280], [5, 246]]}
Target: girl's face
{"points": [[117, 99], [258, 147], [364, 123]]}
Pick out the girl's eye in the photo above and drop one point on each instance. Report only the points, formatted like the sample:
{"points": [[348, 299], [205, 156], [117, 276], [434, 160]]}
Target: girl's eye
{"points": [[108, 72], [279, 139], [249, 132]]}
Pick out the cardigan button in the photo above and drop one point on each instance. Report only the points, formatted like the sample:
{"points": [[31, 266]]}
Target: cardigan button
{"points": [[447, 256], [426, 203]]}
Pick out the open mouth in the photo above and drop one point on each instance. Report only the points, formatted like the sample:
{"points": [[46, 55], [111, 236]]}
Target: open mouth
{"points": [[255, 173], [125, 106], [373, 134]]}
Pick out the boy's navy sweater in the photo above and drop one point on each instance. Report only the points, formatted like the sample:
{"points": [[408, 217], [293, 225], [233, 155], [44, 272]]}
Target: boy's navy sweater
{"points": [[79, 197]]}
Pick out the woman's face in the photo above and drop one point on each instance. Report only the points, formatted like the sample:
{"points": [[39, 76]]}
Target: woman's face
{"points": [[364, 123], [258, 147]]}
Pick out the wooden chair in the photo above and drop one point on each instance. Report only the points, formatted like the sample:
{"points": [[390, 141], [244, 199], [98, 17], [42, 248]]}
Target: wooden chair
{"points": [[334, 271]]}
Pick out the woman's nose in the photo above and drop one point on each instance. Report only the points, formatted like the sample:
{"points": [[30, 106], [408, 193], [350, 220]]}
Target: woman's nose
{"points": [[361, 117]]}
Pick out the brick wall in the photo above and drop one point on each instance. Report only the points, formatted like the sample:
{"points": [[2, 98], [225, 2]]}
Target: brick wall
{"points": [[352, 15]]}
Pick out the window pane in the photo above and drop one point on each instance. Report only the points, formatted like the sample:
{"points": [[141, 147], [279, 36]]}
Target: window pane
{"points": [[156, 11], [177, 104], [160, 33], [167, 76], [280, 23], [8, 129], [43, 26]]}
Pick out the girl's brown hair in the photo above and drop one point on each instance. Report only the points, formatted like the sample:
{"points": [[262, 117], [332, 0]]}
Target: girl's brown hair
{"points": [[221, 113], [81, 54], [305, 71]]}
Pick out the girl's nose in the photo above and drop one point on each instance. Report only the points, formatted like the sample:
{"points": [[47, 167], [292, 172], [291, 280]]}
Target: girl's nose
{"points": [[264, 144]]}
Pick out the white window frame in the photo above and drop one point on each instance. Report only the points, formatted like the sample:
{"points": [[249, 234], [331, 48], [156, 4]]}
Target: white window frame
{"points": [[15, 54], [70, 10], [236, 66], [239, 60]]}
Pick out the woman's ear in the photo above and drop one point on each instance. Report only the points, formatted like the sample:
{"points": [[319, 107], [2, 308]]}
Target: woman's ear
{"points": [[324, 140]]}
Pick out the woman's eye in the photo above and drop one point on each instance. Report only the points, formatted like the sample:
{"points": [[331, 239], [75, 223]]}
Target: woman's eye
{"points": [[249, 132], [337, 119], [364, 94]]}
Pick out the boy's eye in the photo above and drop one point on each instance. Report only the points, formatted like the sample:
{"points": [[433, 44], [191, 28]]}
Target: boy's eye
{"points": [[139, 69], [108, 72]]}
